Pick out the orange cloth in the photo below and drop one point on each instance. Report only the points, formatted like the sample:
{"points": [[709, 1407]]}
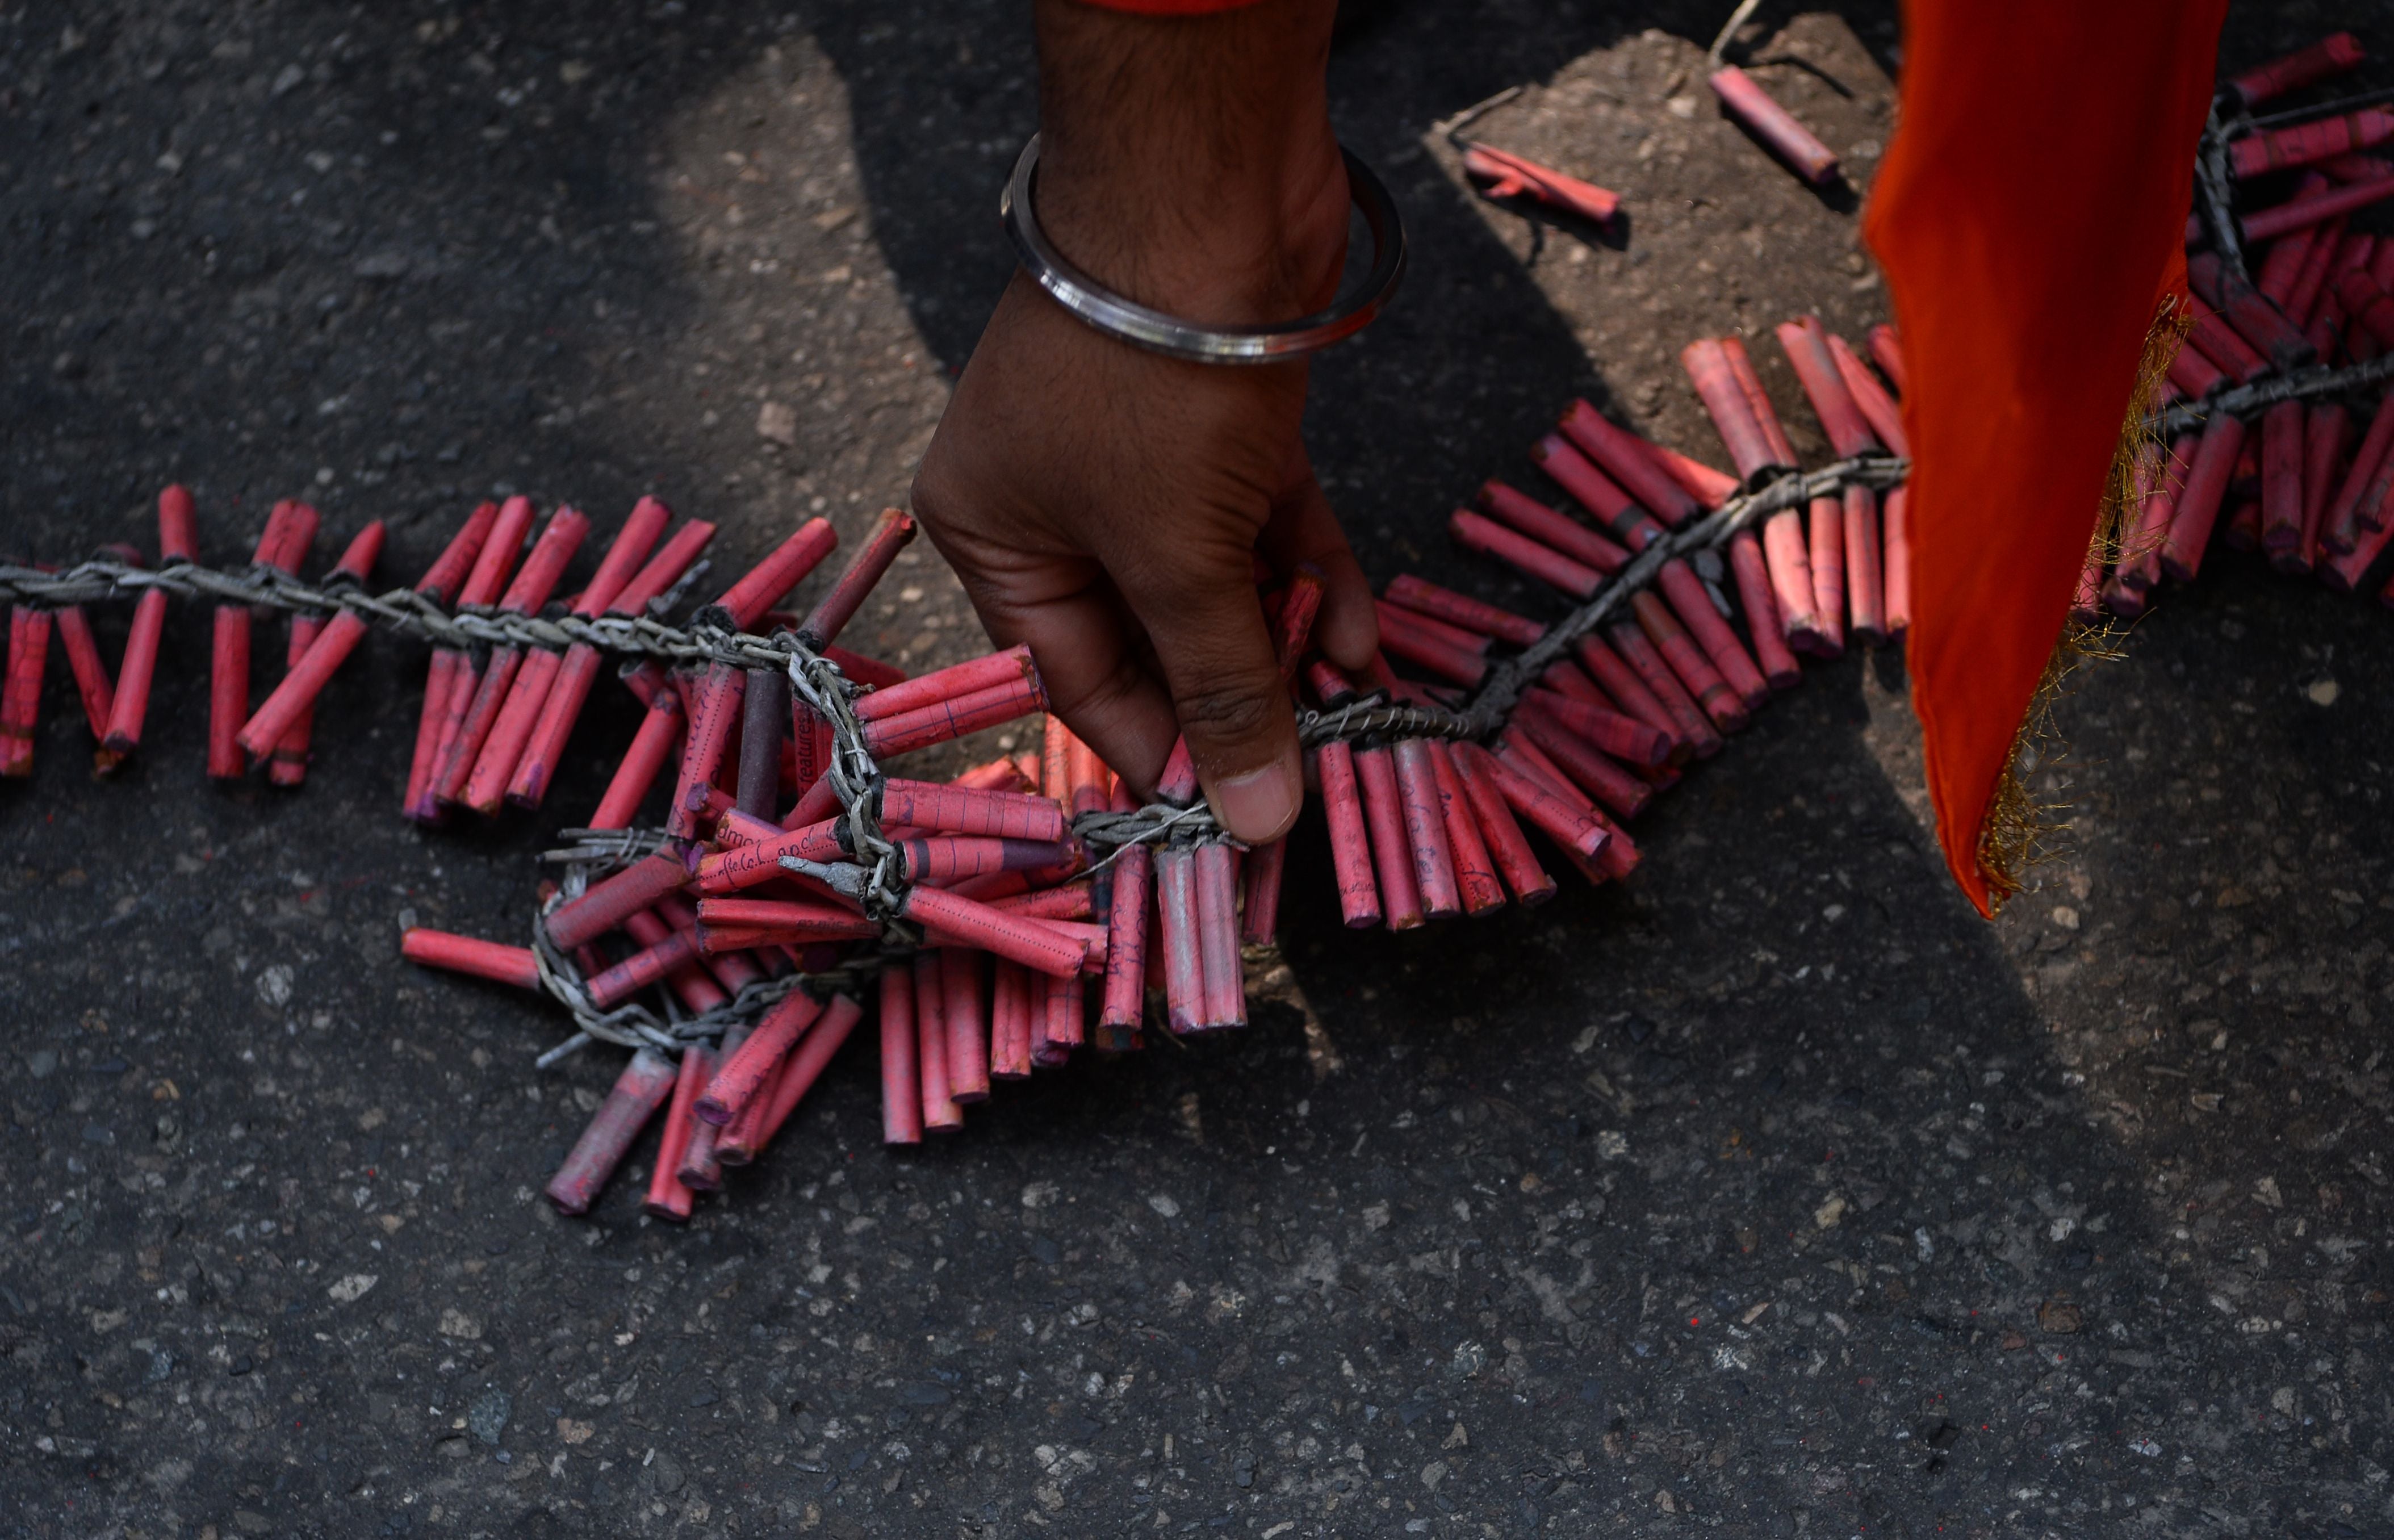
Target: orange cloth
{"points": [[2030, 217]]}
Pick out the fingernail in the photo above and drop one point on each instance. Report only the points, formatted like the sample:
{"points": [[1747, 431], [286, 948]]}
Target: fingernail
{"points": [[1260, 805]]}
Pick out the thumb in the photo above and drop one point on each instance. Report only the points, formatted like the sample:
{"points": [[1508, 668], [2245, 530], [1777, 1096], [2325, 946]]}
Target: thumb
{"points": [[1206, 626]]}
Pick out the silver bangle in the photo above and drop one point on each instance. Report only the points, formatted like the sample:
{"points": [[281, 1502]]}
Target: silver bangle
{"points": [[1157, 332]]}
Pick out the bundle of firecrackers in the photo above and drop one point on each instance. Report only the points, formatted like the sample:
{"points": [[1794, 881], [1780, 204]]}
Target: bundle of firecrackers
{"points": [[1032, 924], [2307, 483], [1035, 904]]}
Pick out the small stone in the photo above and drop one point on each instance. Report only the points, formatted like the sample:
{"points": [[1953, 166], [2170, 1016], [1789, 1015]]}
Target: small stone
{"points": [[41, 1064], [352, 1288], [2059, 1317], [1433, 1473], [778, 422], [1165, 1205], [289, 79], [2065, 917], [2323, 691], [274, 984], [2204, 1101], [2014, 1342], [457, 1324], [251, 1521], [167, 1474], [1831, 1210], [487, 1418]]}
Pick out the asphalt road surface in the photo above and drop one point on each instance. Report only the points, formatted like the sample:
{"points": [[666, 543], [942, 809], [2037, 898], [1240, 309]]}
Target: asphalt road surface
{"points": [[1770, 1193]]}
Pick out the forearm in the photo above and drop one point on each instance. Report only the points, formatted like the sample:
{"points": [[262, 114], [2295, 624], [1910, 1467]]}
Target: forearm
{"points": [[1188, 162]]}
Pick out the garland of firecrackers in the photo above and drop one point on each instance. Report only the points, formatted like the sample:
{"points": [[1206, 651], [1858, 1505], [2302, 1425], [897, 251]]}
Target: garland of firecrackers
{"points": [[2299, 490], [731, 950]]}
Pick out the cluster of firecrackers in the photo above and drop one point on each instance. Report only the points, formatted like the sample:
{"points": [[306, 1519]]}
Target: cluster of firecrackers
{"points": [[1002, 919], [1034, 905], [2283, 297], [1609, 721]]}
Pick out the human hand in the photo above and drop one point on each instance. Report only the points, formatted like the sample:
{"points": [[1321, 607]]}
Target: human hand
{"points": [[1105, 505]]}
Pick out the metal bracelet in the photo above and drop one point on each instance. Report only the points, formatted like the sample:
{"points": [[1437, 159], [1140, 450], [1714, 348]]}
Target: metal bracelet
{"points": [[1157, 332]]}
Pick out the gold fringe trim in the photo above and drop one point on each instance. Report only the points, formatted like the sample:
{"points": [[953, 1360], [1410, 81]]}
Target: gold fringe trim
{"points": [[2019, 832]]}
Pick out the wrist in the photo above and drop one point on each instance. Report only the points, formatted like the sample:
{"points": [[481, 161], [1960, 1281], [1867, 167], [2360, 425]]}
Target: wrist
{"points": [[1189, 163]]}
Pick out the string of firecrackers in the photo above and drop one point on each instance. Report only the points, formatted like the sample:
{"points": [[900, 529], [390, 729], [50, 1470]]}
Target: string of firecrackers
{"points": [[1422, 817], [770, 972], [608, 850], [492, 712], [1417, 840], [1420, 811], [2285, 346]]}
